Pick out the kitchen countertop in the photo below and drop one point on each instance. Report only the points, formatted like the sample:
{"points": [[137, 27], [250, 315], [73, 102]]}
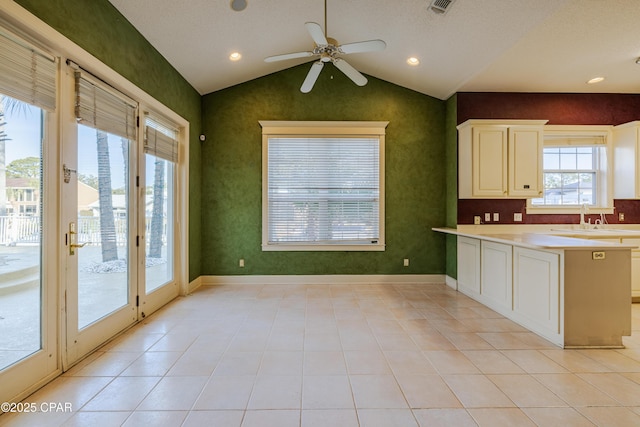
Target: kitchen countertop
{"points": [[595, 233], [548, 241]]}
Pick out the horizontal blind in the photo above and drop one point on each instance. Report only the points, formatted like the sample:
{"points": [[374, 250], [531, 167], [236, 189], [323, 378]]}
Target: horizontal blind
{"points": [[161, 139], [324, 190], [581, 141], [26, 73], [102, 107]]}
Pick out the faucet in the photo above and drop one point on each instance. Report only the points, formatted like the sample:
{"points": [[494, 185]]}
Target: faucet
{"points": [[583, 209]]}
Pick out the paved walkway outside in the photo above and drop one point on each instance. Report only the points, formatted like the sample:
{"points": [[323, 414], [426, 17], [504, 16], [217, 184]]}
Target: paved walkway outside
{"points": [[98, 293]]}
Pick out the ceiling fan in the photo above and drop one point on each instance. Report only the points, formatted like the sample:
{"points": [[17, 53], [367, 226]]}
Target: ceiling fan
{"points": [[328, 49]]}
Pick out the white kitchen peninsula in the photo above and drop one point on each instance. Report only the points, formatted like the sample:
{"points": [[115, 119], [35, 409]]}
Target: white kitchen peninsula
{"points": [[573, 292]]}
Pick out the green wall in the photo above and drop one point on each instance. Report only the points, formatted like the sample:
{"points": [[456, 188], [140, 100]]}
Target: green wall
{"points": [[451, 138], [225, 171], [99, 28], [231, 176]]}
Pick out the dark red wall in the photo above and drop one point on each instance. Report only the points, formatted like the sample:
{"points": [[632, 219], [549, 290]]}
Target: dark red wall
{"points": [[468, 208], [559, 109]]}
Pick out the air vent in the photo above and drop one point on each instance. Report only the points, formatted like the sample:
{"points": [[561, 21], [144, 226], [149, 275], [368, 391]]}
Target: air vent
{"points": [[440, 6]]}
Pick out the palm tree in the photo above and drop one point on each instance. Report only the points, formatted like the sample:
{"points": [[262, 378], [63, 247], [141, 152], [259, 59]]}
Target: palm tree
{"points": [[107, 221], [6, 104], [3, 175], [155, 242]]}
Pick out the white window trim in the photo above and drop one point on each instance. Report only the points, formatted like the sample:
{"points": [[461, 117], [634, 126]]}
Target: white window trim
{"points": [[572, 135], [329, 129]]}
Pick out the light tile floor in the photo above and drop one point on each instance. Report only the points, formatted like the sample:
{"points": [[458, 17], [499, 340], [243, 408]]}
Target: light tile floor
{"points": [[404, 355]]}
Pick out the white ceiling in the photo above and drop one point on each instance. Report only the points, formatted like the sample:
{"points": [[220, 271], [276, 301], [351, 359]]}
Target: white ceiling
{"points": [[478, 45]]}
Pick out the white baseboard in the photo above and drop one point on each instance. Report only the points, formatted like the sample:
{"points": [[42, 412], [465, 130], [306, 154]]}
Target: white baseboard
{"points": [[193, 285], [329, 279], [451, 282]]}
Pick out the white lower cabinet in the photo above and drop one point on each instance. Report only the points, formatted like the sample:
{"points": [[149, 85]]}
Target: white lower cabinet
{"points": [[519, 283], [469, 266], [496, 284], [536, 291], [635, 276], [568, 296], [635, 269]]}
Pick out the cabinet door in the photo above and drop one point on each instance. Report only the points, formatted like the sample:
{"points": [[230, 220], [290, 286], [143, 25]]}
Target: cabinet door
{"points": [[626, 158], [635, 276], [635, 268], [497, 278], [525, 161], [489, 161], [469, 266], [536, 290]]}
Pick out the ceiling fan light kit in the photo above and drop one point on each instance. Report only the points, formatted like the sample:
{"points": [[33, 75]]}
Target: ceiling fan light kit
{"points": [[329, 50]]}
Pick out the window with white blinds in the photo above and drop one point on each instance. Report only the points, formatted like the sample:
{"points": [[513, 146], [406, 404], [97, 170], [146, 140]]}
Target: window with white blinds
{"points": [[26, 73], [161, 138], [576, 171], [324, 191], [104, 108]]}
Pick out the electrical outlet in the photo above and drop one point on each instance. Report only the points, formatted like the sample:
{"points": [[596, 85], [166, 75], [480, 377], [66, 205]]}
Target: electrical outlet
{"points": [[476, 220], [241, 263], [621, 216], [517, 217], [487, 217], [496, 217], [406, 262]]}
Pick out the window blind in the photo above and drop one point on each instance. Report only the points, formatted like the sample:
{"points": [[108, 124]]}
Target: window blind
{"points": [[161, 138], [26, 73], [102, 107], [582, 141], [324, 190]]}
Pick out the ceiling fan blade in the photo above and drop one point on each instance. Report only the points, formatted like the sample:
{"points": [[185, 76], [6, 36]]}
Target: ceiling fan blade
{"points": [[312, 76], [316, 33], [287, 56], [350, 72], [366, 46]]}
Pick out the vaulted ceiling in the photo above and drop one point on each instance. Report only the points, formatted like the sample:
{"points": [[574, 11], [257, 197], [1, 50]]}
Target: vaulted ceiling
{"points": [[477, 45]]}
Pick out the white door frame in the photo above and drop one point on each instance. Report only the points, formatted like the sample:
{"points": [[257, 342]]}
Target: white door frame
{"points": [[55, 253]]}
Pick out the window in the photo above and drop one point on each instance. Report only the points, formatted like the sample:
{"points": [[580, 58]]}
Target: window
{"points": [[323, 186], [160, 157], [575, 171]]}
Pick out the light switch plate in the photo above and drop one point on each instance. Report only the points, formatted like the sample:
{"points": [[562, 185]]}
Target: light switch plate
{"points": [[487, 217], [517, 217]]}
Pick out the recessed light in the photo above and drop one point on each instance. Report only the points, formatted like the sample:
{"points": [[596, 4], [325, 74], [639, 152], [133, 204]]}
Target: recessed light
{"points": [[595, 80], [238, 5], [413, 61], [235, 56]]}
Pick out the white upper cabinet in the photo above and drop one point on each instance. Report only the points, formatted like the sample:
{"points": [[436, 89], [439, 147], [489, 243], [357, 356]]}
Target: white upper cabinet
{"points": [[626, 160], [500, 158]]}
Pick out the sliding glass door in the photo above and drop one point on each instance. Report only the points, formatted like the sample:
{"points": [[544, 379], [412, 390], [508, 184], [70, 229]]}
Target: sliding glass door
{"points": [[101, 278], [28, 323], [90, 230], [158, 216]]}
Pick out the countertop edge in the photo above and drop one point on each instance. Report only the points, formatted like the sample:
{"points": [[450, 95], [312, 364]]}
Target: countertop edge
{"points": [[540, 240]]}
